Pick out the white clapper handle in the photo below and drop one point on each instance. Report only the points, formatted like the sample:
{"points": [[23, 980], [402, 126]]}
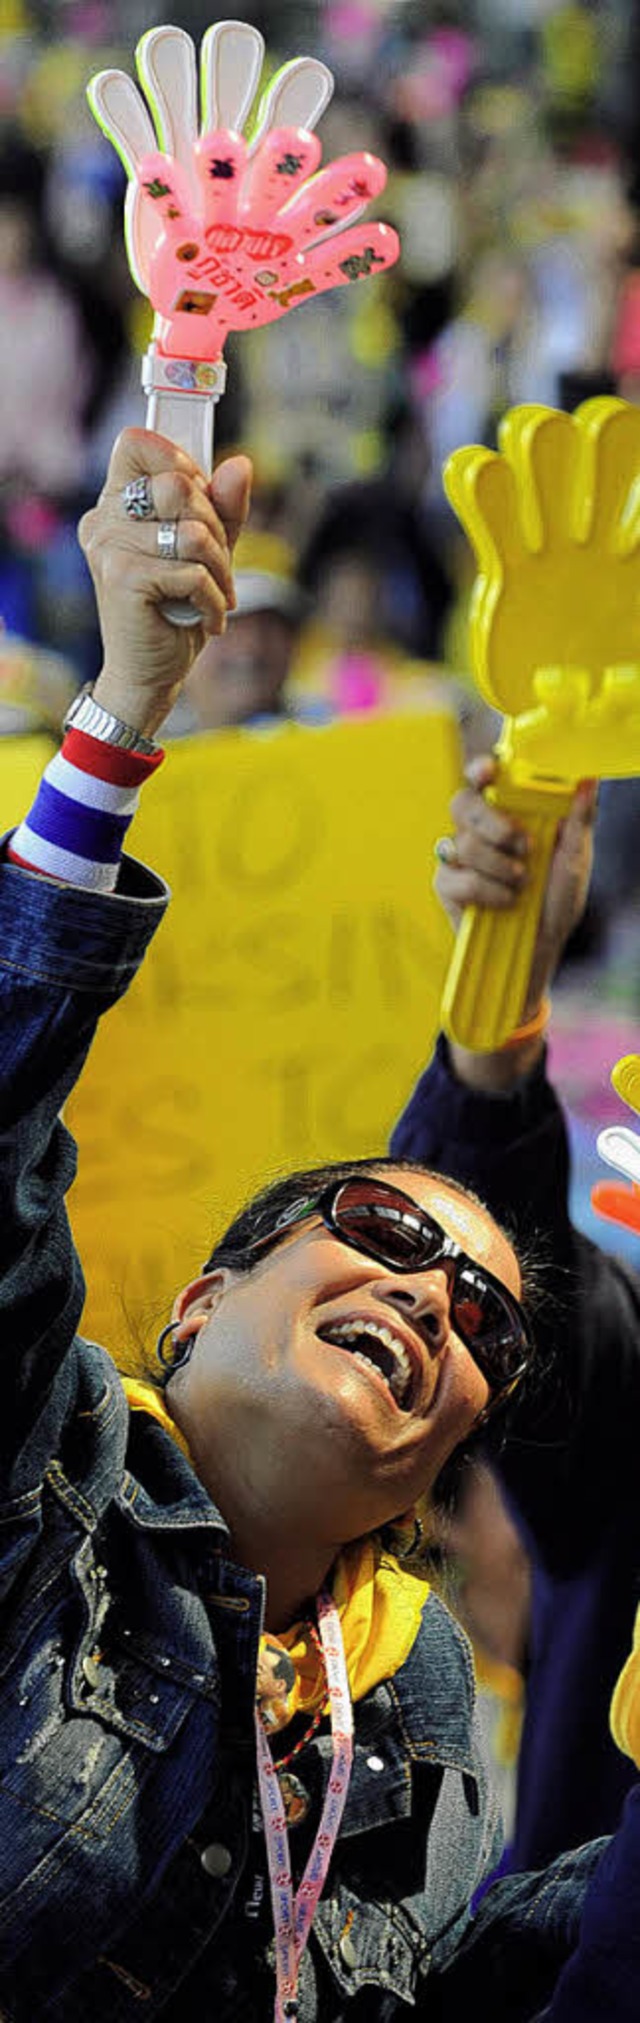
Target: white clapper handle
{"points": [[188, 420]]}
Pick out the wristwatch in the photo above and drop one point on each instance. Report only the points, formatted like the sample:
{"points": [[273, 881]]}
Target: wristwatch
{"points": [[84, 714]]}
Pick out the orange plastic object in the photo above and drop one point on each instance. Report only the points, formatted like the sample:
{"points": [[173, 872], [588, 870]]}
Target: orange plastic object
{"points": [[611, 1198], [617, 1203], [554, 519]]}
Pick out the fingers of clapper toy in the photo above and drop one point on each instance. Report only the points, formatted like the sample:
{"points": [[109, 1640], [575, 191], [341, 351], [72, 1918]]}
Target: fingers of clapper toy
{"points": [[231, 60], [620, 1147], [297, 96]]}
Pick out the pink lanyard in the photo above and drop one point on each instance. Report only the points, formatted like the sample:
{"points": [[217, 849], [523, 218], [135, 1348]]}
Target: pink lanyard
{"points": [[293, 1915]]}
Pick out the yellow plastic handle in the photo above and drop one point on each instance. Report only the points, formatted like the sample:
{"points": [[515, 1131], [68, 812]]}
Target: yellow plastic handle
{"points": [[488, 976]]}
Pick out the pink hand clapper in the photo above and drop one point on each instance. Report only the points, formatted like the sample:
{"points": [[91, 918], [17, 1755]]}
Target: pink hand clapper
{"points": [[226, 232]]}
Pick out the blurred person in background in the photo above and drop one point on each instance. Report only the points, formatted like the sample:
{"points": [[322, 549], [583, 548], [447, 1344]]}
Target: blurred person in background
{"points": [[381, 516], [45, 383], [489, 356], [486, 1580], [379, 596], [44, 376], [288, 654], [242, 675]]}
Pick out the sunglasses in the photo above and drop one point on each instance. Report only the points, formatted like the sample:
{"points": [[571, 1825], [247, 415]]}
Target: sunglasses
{"points": [[382, 1222]]}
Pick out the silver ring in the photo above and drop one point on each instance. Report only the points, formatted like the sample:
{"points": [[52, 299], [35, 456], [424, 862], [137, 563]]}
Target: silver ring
{"points": [[445, 850], [168, 540], [137, 499]]}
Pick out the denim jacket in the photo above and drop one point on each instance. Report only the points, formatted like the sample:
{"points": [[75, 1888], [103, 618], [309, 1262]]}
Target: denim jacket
{"points": [[132, 1874]]}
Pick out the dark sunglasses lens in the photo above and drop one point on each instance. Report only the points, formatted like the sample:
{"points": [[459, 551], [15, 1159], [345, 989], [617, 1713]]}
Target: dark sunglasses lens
{"points": [[491, 1328], [383, 1222]]}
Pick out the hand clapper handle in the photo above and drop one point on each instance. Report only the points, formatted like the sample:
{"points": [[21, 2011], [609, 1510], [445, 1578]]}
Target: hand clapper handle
{"points": [[188, 420], [488, 976]]}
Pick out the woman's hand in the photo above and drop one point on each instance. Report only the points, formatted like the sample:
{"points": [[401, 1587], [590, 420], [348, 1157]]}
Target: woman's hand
{"points": [[488, 867], [146, 658]]}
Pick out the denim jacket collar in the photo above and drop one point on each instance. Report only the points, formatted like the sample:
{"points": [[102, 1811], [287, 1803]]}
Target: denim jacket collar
{"points": [[177, 1499], [423, 1700], [432, 1712]]}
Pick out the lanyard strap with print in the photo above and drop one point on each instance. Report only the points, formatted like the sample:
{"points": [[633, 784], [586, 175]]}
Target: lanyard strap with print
{"points": [[293, 1915]]}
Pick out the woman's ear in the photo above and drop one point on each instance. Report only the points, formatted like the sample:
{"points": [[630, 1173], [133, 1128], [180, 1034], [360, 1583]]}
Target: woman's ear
{"points": [[193, 1307]]}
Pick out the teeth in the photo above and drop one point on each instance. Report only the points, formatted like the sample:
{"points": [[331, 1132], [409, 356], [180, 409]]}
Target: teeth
{"points": [[398, 1380]]}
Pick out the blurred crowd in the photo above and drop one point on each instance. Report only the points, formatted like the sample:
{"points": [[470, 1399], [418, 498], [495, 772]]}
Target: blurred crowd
{"points": [[512, 136], [510, 132]]}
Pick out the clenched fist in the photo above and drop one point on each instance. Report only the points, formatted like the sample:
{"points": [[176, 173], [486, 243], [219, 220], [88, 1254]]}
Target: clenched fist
{"points": [[146, 658]]}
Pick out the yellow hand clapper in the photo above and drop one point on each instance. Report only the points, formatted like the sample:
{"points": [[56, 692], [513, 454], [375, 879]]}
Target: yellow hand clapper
{"points": [[554, 520]]}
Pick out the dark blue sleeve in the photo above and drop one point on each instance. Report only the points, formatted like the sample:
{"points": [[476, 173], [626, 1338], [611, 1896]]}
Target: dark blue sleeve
{"points": [[558, 1946], [570, 1456], [65, 956], [602, 1978], [512, 1150]]}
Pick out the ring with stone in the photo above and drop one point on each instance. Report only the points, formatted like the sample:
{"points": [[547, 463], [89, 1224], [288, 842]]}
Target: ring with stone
{"points": [[137, 499], [445, 850], [168, 540]]}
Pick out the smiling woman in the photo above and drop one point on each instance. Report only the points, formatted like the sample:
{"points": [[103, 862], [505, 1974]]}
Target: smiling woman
{"points": [[339, 1304], [199, 1589]]}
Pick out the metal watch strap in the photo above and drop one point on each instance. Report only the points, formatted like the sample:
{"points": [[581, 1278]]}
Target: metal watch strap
{"points": [[84, 714]]}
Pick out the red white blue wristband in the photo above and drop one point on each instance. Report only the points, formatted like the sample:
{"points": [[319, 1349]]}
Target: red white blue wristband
{"points": [[87, 797]]}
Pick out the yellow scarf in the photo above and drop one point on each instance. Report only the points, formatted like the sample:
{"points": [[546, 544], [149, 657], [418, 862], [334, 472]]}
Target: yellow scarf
{"points": [[625, 1705], [379, 1601], [379, 1604]]}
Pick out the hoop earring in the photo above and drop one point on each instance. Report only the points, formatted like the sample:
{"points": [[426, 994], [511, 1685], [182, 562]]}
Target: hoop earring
{"points": [[415, 1542], [181, 1351], [404, 1542]]}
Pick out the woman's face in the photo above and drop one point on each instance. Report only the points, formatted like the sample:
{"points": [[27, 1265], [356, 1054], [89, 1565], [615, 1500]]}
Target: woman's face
{"points": [[272, 1391]]}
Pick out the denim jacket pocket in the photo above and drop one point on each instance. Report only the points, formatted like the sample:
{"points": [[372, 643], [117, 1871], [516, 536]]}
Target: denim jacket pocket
{"points": [[122, 1678], [77, 1698], [102, 1752], [373, 1944]]}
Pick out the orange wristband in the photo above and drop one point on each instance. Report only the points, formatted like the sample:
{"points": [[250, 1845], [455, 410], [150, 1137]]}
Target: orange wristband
{"points": [[533, 1027]]}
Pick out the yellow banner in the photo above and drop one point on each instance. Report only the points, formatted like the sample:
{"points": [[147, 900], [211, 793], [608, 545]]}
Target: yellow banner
{"points": [[287, 1004], [22, 761]]}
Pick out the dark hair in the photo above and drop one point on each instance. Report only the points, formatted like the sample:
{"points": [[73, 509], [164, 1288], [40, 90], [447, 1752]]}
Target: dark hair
{"points": [[261, 1215]]}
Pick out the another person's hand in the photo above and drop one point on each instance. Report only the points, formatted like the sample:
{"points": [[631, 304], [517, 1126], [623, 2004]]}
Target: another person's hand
{"points": [[146, 658], [489, 867]]}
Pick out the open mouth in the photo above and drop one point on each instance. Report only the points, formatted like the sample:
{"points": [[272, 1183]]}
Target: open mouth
{"points": [[379, 1349]]}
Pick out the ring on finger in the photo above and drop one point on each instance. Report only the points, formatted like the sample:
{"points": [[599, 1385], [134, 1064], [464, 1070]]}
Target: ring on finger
{"points": [[445, 850], [167, 538], [137, 499]]}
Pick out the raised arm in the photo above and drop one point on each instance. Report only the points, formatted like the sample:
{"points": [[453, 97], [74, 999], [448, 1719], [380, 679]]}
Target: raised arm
{"points": [[75, 925], [507, 1140], [494, 1122]]}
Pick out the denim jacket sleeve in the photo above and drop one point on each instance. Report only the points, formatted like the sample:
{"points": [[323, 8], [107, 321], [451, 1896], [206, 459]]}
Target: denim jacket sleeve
{"points": [[582, 1405], [65, 956]]}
